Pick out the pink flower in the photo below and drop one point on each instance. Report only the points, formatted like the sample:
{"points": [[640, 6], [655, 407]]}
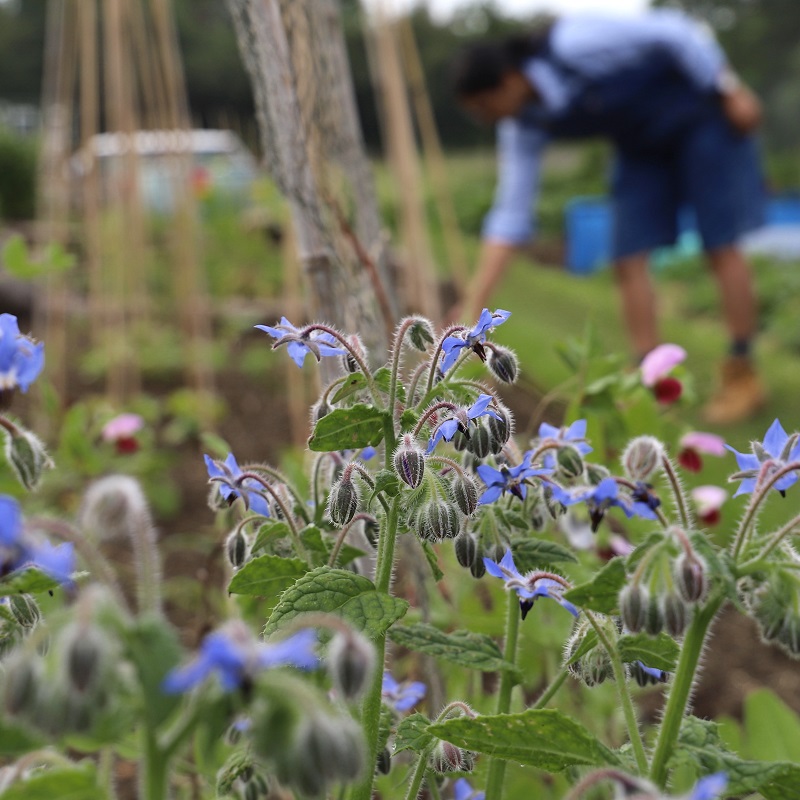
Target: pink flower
{"points": [[122, 430], [655, 368], [709, 500], [693, 444]]}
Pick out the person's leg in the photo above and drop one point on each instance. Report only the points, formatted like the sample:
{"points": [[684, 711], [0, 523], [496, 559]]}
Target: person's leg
{"points": [[737, 295], [638, 301]]}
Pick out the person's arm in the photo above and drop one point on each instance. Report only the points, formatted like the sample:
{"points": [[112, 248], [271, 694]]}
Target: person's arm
{"points": [[509, 224]]}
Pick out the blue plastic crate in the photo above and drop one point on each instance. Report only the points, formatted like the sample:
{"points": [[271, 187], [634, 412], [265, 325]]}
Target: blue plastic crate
{"points": [[588, 226]]}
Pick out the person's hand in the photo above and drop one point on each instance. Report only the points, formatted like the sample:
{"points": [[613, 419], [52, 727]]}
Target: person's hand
{"points": [[742, 109]]}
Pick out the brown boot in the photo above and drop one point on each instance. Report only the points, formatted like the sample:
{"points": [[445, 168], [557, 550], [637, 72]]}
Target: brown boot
{"points": [[740, 393]]}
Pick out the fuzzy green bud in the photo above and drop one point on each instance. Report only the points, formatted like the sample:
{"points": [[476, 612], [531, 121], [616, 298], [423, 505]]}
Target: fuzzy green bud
{"points": [[26, 454], [25, 610], [676, 614], [570, 462], [465, 494], [343, 500], [643, 457], [351, 663], [446, 757], [689, 571], [409, 461], [500, 428], [633, 605], [439, 520], [503, 363], [654, 619], [480, 441], [21, 683], [237, 548], [85, 656], [466, 549], [477, 567]]}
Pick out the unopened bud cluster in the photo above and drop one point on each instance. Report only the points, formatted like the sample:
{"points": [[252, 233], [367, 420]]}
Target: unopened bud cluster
{"points": [[592, 668], [772, 601]]}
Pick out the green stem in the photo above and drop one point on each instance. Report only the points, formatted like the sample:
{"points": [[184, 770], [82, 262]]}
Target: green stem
{"points": [[547, 695], [681, 687], [371, 710], [154, 768], [677, 491], [624, 695], [419, 774], [773, 542], [497, 767]]}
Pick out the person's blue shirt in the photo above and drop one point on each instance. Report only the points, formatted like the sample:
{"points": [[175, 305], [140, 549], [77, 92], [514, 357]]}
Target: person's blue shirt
{"points": [[591, 46]]}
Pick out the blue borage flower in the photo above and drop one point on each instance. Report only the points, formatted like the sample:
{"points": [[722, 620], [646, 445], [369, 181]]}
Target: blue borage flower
{"points": [[17, 550], [658, 674], [710, 787], [452, 345], [229, 470], [236, 657], [574, 435], [508, 479], [401, 696], [299, 343], [776, 451], [528, 587], [460, 421], [21, 359], [462, 790], [604, 496]]}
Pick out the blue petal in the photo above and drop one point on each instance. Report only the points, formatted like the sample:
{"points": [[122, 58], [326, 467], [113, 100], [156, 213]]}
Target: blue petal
{"points": [[605, 490], [10, 521], [507, 563], [56, 561], [29, 361], [577, 430], [774, 439], [547, 431], [297, 352], [389, 684], [182, 679], [483, 324], [745, 460], [710, 787], [296, 651], [493, 568], [490, 495], [479, 407], [658, 674], [490, 476], [451, 346], [746, 487]]}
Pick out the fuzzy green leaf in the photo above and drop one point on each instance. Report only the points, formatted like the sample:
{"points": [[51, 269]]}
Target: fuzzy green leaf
{"points": [[530, 554], [72, 783], [412, 734], [348, 429], [658, 652], [27, 580], [267, 576], [601, 593], [352, 384]]}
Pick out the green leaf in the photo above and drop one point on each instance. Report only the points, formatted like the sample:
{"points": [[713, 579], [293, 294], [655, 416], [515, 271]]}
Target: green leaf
{"points": [[542, 738], [337, 591], [586, 646], [267, 576], [352, 384], [383, 379], [531, 554], [658, 652], [16, 740], [348, 429], [28, 580], [771, 727], [269, 533], [699, 746], [433, 560], [601, 593], [465, 648], [412, 734], [386, 481], [75, 783]]}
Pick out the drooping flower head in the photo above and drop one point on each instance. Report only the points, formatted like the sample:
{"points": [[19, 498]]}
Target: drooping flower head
{"points": [[235, 656], [21, 359], [708, 501], [655, 369], [574, 435], [607, 495], [776, 451], [696, 444], [299, 343], [401, 696], [121, 432], [473, 339], [508, 479], [530, 586], [229, 471], [461, 420]]}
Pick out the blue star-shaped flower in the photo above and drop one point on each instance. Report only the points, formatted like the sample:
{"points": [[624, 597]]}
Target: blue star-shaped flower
{"points": [[528, 587], [401, 696], [461, 420], [235, 656], [710, 787], [21, 360], [318, 343], [778, 447], [452, 345], [462, 790], [229, 470], [56, 561], [575, 435], [600, 498], [508, 479]]}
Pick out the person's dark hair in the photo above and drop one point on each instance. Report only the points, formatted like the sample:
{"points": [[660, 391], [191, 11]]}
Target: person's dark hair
{"points": [[481, 67]]}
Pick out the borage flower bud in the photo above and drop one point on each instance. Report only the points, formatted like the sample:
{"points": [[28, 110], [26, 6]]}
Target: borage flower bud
{"points": [[439, 520], [465, 494], [319, 410], [676, 614], [343, 500], [351, 662], [384, 762], [500, 427], [480, 441], [478, 565], [654, 619], [570, 462], [642, 458], [633, 603], [237, 548], [115, 506], [503, 363], [596, 474], [27, 456], [327, 750], [25, 610], [23, 674], [409, 461], [85, 656], [596, 667], [349, 363], [689, 571], [446, 757]]}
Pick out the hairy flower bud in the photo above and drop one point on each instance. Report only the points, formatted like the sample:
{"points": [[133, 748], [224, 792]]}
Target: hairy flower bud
{"points": [[85, 655], [115, 507], [654, 619], [477, 567], [642, 458], [25, 610], [409, 461], [343, 500], [21, 682], [596, 667], [633, 604], [596, 474], [351, 663], [466, 549], [570, 462], [676, 614], [439, 520], [503, 363], [384, 762], [446, 757], [689, 571], [500, 427], [237, 548], [26, 454], [465, 494], [480, 441], [319, 410]]}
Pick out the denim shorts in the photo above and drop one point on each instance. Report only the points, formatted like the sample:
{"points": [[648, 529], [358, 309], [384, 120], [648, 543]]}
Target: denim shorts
{"points": [[710, 169]]}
